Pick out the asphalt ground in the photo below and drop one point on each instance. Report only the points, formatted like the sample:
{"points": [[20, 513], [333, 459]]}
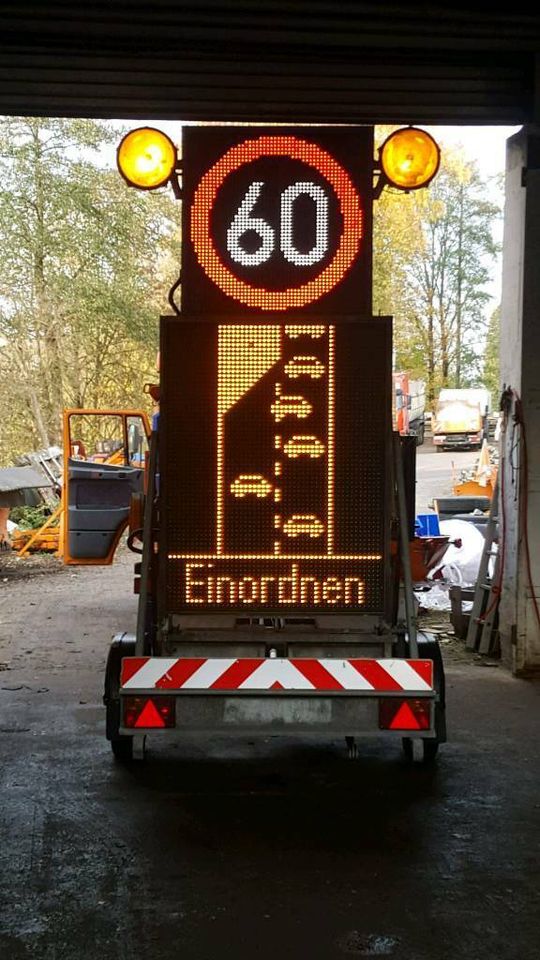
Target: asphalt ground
{"points": [[437, 471], [241, 849]]}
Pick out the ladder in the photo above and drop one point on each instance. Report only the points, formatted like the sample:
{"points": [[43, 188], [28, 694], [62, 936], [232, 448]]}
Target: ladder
{"points": [[481, 634]]}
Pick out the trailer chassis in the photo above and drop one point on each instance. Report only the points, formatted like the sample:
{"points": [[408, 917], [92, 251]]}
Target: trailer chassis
{"points": [[342, 676]]}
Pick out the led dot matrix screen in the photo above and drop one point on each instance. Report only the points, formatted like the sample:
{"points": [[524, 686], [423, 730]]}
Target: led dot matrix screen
{"points": [[276, 220], [274, 473]]}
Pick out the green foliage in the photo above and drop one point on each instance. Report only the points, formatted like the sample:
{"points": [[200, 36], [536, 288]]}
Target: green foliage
{"points": [[83, 277], [31, 518], [432, 254], [492, 361]]}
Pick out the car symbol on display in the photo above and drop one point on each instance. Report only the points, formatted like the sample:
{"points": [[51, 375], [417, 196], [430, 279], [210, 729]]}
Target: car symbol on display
{"points": [[303, 524], [290, 407], [304, 446], [304, 330], [251, 484], [304, 367]]}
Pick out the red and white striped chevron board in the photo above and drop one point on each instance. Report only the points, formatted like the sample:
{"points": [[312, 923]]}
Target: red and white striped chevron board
{"points": [[267, 674]]}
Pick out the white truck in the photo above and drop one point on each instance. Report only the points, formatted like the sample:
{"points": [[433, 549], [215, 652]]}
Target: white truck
{"points": [[460, 418]]}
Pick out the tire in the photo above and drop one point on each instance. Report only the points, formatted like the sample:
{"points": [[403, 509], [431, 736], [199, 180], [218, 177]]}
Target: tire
{"points": [[420, 436], [123, 749], [429, 649], [420, 751], [121, 746], [431, 749]]}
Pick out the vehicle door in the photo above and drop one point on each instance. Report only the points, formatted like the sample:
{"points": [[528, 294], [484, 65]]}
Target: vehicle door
{"points": [[105, 452]]}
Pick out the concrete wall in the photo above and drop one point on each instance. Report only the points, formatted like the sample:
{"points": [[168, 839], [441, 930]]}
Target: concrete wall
{"points": [[520, 370]]}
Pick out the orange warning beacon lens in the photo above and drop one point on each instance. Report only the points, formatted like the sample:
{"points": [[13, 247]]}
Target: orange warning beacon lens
{"points": [[410, 158], [146, 158]]}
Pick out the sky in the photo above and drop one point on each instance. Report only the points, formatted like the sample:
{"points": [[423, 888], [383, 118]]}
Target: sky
{"points": [[486, 145]]}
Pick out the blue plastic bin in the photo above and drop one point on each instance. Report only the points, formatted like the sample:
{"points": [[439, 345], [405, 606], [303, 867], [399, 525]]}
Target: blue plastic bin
{"points": [[427, 525]]}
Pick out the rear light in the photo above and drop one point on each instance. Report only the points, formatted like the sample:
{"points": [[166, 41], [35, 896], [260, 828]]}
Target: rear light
{"points": [[397, 714], [149, 712]]}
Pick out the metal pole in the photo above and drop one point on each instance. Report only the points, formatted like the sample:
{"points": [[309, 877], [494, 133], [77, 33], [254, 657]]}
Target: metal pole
{"points": [[148, 547], [404, 549]]}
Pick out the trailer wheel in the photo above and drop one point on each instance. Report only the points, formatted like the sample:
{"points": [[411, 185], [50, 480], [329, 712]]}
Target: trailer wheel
{"points": [[121, 745], [420, 751], [416, 749], [123, 645], [122, 749]]}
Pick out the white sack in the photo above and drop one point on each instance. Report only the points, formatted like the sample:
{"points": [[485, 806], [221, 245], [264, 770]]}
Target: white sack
{"points": [[461, 563]]}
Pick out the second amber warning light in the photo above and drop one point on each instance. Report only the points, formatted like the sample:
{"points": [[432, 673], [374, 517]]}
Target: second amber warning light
{"points": [[409, 158]]}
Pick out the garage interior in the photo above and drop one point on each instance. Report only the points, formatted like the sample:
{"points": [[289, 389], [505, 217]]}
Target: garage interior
{"points": [[292, 851]]}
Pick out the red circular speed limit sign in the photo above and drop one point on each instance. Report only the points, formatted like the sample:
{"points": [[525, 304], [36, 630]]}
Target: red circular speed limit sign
{"points": [[276, 223]]}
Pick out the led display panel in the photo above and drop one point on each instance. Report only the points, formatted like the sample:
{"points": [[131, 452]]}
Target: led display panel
{"points": [[276, 220], [274, 473]]}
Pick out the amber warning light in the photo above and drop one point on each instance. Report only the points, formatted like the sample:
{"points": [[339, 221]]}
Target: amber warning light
{"points": [[146, 158], [409, 158]]}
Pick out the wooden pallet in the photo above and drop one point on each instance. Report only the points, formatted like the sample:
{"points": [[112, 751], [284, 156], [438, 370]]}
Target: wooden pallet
{"points": [[47, 537], [48, 541], [460, 618]]}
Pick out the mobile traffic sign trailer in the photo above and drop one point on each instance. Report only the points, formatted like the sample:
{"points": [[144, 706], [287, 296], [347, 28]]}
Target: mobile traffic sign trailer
{"points": [[269, 601]]}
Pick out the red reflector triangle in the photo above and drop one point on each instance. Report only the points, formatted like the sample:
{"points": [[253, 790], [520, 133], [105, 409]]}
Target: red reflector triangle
{"points": [[149, 716], [276, 686], [405, 719]]}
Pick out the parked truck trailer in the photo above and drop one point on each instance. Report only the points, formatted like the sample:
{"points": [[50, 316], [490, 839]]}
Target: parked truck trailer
{"points": [[409, 406]]}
